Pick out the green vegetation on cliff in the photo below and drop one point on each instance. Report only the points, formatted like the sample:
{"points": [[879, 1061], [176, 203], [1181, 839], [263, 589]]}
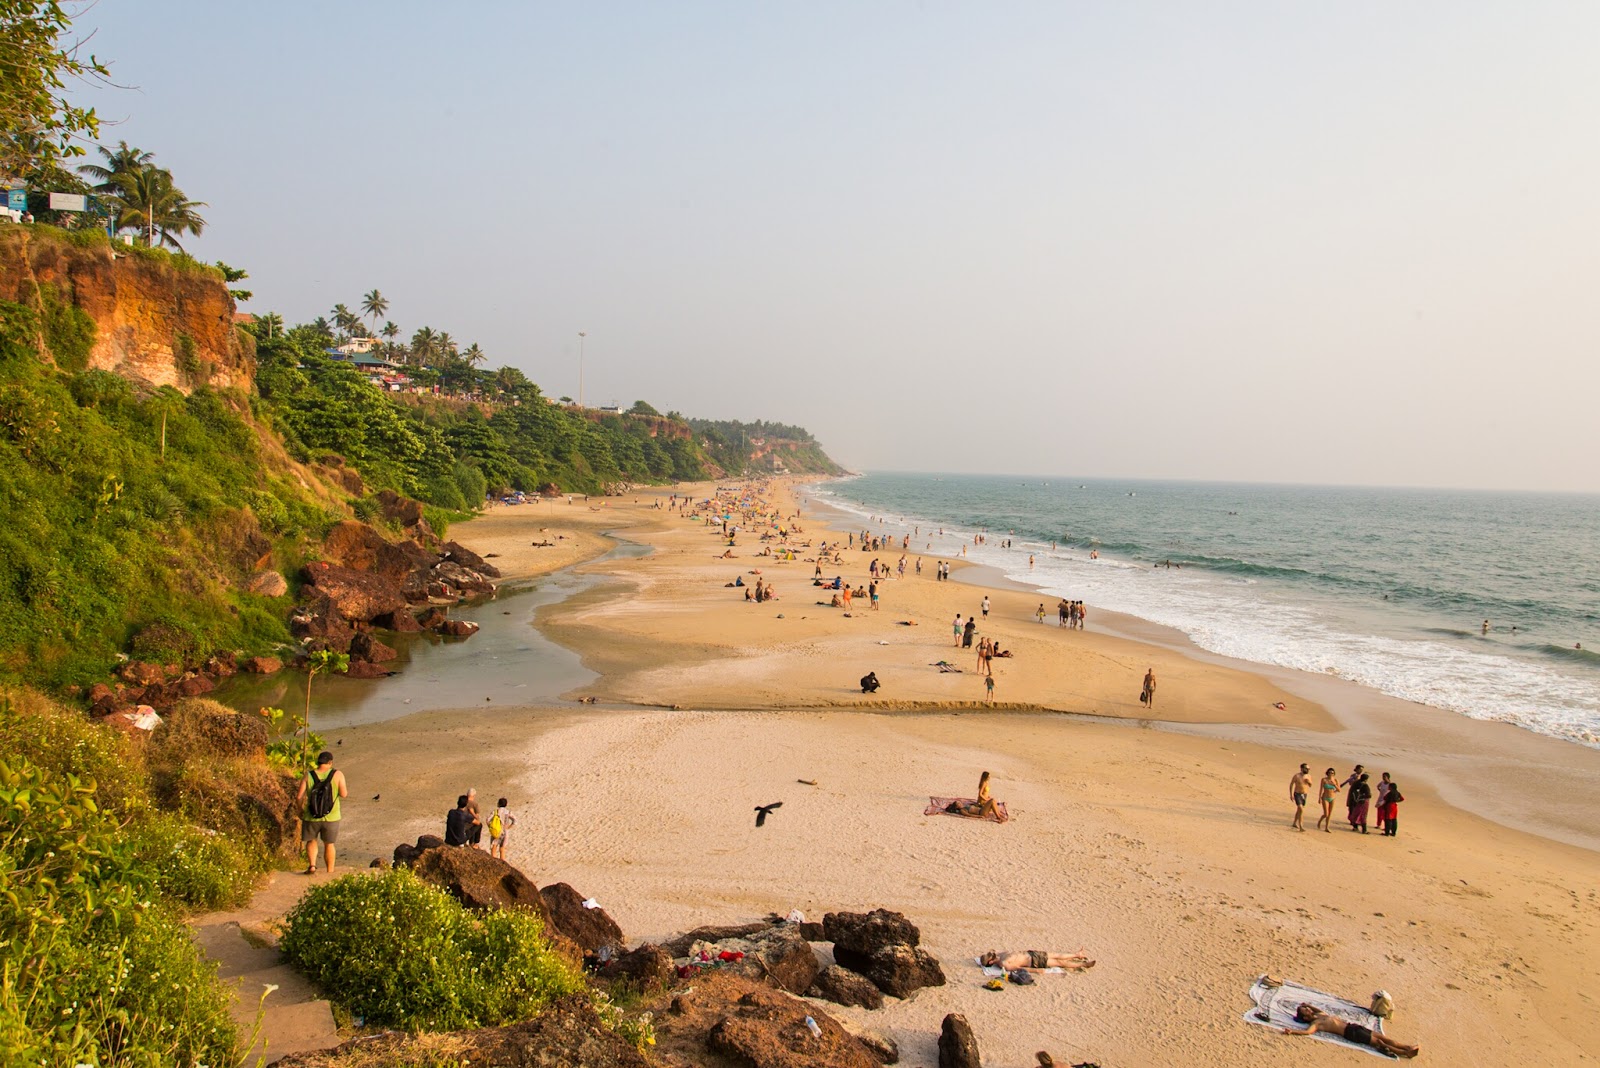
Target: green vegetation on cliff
{"points": [[762, 448], [133, 518]]}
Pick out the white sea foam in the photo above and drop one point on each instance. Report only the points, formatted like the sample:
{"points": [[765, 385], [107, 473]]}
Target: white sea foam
{"points": [[1267, 623]]}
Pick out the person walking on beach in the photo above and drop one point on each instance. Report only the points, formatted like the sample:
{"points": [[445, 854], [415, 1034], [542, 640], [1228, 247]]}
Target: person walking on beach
{"points": [[1326, 793], [985, 606], [955, 629], [1040, 613], [1299, 791], [967, 632], [1061, 612], [1148, 696], [319, 796], [988, 689], [872, 592]]}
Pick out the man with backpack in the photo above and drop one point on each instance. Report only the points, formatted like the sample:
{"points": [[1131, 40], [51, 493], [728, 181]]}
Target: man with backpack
{"points": [[319, 796]]}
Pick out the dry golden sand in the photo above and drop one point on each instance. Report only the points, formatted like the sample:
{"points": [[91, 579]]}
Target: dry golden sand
{"points": [[1162, 848]]}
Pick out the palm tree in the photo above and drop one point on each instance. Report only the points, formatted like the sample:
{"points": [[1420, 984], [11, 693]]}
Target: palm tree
{"points": [[146, 200], [374, 304], [272, 321], [474, 355], [125, 160], [345, 320], [424, 346], [390, 331], [447, 347], [323, 327]]}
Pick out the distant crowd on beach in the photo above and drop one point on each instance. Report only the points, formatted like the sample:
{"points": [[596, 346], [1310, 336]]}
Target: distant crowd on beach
{"points": [[1359, 797]]}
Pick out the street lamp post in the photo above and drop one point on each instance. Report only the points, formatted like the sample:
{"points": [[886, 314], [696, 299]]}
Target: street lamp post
{"points": [[581, 335]]}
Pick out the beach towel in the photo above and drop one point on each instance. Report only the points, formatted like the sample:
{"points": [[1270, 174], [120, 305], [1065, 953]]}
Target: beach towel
{"points": [[945, 667], [1275, 1007], [940, 806]]}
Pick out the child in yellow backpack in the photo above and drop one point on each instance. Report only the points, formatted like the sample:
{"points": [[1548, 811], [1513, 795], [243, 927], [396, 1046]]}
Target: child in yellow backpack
{"points": [[499, 825]]}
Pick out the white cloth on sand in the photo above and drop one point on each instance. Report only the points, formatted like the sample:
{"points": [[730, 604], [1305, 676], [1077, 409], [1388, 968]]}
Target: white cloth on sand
{"points": [[1275, 1007]]}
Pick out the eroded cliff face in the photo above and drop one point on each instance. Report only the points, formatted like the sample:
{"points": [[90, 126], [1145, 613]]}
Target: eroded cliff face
{"points": [[156, 321]]}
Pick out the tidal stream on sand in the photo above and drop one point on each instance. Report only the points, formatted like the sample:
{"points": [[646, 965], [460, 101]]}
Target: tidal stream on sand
{"points": [[508, 663]]}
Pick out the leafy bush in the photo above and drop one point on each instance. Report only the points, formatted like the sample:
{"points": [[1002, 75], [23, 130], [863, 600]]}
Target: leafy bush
{"points": [[401, 952], [197, 869], [60, 741], [96, 969]]}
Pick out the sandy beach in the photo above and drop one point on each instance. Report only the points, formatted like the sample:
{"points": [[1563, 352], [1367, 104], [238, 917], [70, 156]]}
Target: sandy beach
{"points": [[1156, 840]]}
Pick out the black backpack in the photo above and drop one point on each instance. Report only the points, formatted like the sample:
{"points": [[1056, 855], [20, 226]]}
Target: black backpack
{"points": [[319, 802]]}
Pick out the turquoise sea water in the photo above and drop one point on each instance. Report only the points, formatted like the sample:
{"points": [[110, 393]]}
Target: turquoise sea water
{"points": [[1387, 587]]}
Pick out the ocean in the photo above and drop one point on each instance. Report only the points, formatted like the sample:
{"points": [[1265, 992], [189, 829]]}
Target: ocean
{"points": [[1386, 587]]}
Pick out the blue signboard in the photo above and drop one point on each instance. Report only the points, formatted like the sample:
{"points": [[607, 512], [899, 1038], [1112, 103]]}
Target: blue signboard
{"points": [[17, 199]]}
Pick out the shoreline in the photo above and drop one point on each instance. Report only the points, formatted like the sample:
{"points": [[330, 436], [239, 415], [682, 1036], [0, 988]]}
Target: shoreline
{"points": [[1158, 841]]}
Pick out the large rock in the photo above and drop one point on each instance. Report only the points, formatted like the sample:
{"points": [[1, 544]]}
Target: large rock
{"points": [[369, 648], [406, 855], [885, 1049], [403, 621], [958, 1048], [263, 665], [780, 955], [321, 625], [867, 932], [768, 1030], [457, 628], [402, 510], [567, 1034], [592, 929], [882, 946], [645, 968], [844, 987], [195, 686], [366, 669], [268, 584], [679, 946], [457, 553], [898, 970], [354, 595], [480, 881], [463, 579]]}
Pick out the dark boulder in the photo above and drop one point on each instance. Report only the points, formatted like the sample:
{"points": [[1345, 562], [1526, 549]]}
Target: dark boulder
{"points": [[366, 669], [457, 553], [354, 595], [458, 628], [402, 621], [844, 987], [431, 618], [898, 970], [958, 1048], [318, 622], [645, 968], [369, 648], [867, 932], [591, 929], [263, 665], [462, 579], [479, 881], [785, 958], [195, 686], [406, 855]]}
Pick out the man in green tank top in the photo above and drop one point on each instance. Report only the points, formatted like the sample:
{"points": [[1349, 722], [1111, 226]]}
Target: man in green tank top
{"points": [[319, 796]]}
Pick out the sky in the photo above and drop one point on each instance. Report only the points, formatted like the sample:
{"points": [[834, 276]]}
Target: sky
{"points": [[1354, 243]]}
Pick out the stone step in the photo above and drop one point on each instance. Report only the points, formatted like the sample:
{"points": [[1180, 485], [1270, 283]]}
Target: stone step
{"points": [[292, 989], [286, 1029], [233, 953]]}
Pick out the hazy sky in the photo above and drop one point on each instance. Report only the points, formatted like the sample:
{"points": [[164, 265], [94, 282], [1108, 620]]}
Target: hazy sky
{"points": [[1349, 243]]}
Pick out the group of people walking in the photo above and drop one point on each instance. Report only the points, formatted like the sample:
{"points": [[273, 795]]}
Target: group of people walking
{"points": [[1361, 799]]}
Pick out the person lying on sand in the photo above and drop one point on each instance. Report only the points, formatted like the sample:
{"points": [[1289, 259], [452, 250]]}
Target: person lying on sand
{"points": [[1037, 959], [1359, 1034]]}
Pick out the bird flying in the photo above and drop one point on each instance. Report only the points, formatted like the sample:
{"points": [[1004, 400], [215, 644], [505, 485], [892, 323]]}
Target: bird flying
{"points": [[762, 811]]}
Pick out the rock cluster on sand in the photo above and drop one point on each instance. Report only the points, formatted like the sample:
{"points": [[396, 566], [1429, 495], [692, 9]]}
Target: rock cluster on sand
{"points": [[882, 946], [738, 1020]]}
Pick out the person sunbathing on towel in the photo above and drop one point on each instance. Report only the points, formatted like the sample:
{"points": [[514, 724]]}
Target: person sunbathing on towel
{"points": [[1317, 1020], [1037, 959]]}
